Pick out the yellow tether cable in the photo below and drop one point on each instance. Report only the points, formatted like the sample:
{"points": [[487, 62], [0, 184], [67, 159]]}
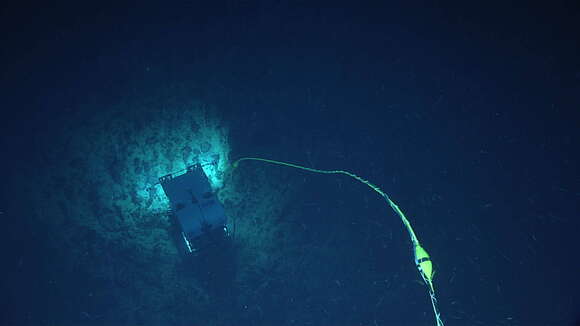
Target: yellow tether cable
{"points": [[422, 258]]}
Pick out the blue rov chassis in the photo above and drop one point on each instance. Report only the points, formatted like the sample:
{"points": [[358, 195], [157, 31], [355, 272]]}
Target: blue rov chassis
{"points": [[198, 211]]}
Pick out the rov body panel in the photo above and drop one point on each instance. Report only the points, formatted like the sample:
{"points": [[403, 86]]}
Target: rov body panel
{"points": [[194, 204]]}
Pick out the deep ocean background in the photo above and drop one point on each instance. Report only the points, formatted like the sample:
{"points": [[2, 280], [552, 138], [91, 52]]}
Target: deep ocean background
{"points": [[466, 115]]}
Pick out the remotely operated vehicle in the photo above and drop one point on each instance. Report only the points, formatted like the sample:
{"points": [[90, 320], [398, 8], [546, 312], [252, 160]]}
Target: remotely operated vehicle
{"points": [[198, 212]]}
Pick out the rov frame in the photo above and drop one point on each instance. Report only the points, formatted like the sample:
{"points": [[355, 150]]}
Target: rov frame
{"points": [[195, 206]]}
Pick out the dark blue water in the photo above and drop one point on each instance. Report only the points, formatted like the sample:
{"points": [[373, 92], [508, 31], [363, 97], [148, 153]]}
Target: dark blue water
{"points": [[466, 116]]}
